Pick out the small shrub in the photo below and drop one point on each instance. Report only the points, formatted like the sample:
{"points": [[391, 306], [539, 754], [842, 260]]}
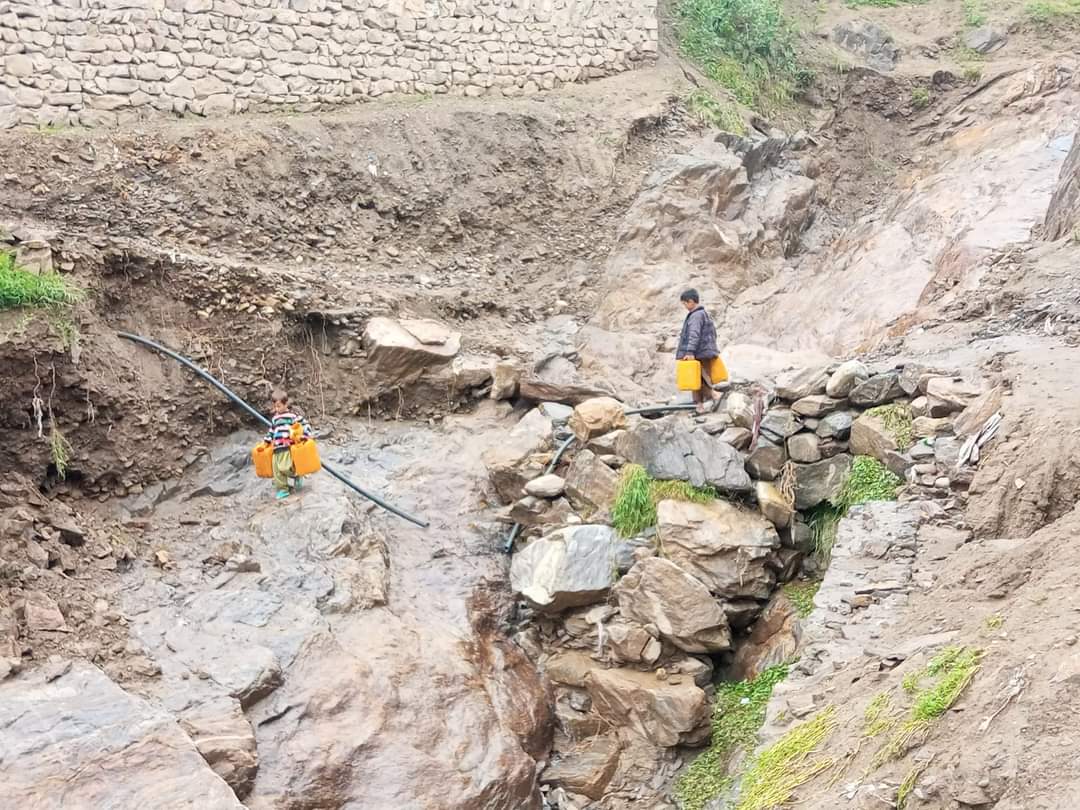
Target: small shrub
{"points": [[59, 451], [801, 595], [898, 421], [995, 621], [920, 98], [738, 713], [972, 74], [715, 113], [823, 520], [21, 288], [747, 46], [776, 773]]}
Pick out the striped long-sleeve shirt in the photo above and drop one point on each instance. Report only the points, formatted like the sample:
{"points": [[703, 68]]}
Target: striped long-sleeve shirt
{"points": [[281, 427]]}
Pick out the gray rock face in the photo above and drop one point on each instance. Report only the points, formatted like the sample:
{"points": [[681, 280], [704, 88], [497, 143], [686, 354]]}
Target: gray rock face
{"points": [[772, 504], [400, 351], [821, 481], [767, 459], [224, 737], [665, 713], [668, 451], [779, 423], [800, 383], [816, 406], [591, 484], [509, 465], [595, 417], [984, 39], [658, 592], [546, 486], [569, 568], [727, 548], [117, 750], [804, 448], [878, 390], [836, 425], [869, 41]]}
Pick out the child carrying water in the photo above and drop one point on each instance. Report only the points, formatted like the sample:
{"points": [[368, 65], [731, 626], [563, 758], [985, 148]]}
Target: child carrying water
{"points": [[286, 427]]}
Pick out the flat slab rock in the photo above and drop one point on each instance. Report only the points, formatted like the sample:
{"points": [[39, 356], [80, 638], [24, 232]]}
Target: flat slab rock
{"points": [[670, 450], [80, 741]]}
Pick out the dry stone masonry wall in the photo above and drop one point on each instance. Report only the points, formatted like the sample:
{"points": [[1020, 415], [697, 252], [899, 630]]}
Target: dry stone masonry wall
{"points": [[102, 62]]}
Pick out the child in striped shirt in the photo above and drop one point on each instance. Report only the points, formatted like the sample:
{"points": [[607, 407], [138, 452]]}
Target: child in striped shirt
{"points": [[285, 424]]}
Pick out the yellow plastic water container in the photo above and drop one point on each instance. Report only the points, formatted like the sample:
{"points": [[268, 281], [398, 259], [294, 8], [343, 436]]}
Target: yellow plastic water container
{"points": [[305, 457], [263, 458], [717, 371], [688, 375]]}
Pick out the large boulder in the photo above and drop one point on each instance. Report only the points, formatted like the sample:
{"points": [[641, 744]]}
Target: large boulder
{"points": [[668, 450], [803, 382], [509, 463], [666, 713], [773, 504], [729, 549], [978, 411], [877, 390], [816, 406], [506, 378], [779, 423], [591, 484], [568, 568], [557, 380], [80, 741], [400, 351], [836, 425], [597, 416], [821, 481], [767, 459], [954, 392], [631, 643], [845, 378], [657, 592]]}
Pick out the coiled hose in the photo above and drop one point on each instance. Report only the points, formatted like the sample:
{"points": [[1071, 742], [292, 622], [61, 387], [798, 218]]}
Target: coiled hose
{"points": [[508, 546], [157, 347]]}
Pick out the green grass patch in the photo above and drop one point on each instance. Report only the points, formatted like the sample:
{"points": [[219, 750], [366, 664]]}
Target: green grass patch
{"points": [[879, 715], [823, 520], [903, 793], [882, 3], [869, 480], [801, 595], [738, 713], [920, 98], [776, 773], [898, 422], [1053, 13], [713, 112], [21, 288], [635, 504], [746, 46], [974, 13], [949, 673]]}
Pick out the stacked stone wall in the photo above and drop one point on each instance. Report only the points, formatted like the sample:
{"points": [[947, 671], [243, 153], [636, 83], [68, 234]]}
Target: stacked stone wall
{"points": [[102, 62]]}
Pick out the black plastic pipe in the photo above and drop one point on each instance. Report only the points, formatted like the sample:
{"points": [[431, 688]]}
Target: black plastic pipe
{"points": [[508, 546], [220, 386]]}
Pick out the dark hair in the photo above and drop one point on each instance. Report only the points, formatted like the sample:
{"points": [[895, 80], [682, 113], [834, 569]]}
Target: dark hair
{"points": [[280, 395], [690, 295]]}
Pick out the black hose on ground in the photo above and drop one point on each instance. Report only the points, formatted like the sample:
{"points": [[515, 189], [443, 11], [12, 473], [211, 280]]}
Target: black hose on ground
{"points": [[157, 347], [508, 546]]}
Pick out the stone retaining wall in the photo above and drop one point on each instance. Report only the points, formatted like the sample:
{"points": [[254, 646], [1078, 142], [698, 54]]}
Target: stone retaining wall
{"points": [[101, 62]]}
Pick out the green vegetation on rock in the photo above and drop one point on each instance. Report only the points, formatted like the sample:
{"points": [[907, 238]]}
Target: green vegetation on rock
{"points": [[869, 480], [709, 110], [738, 713], [974, 13], [746, 46], [920, 97], [1053, 13], [801, 595], [878, 716], [898, 421], [774, 774], [22, 288], [635, 505], [950, 672]]}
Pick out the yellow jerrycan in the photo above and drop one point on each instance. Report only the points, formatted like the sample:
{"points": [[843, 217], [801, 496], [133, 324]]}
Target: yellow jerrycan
{"points": [[305, 455], [717, 371], [688, 375], [263, 458]]}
